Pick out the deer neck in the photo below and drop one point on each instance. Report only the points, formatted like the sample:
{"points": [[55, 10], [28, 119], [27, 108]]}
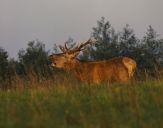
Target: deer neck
{"points": [[73, 65]]}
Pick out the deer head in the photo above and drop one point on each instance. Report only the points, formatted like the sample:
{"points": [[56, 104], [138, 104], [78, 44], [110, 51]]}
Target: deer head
{"points": [[67, 55]]}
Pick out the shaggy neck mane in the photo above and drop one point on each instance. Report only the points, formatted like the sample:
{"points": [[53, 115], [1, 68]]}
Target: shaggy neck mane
{"points": [[73, 65]]}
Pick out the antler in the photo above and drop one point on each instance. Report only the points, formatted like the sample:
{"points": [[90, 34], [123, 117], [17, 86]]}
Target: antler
{"points": [[76, 49], [64, 49], [80, 46], [66, 46]]}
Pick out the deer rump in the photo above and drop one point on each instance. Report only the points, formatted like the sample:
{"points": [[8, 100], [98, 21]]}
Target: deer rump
{"points": [[118, 69]]}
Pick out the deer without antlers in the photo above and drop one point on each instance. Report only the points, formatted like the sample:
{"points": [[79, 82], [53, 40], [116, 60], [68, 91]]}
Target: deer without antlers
{"points": [[118, 69]]}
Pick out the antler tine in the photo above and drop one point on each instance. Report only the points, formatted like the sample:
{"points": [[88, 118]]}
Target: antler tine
{"points": [[62, 49], [77, 48], [84, 44], [67, 49], [80, 46]]}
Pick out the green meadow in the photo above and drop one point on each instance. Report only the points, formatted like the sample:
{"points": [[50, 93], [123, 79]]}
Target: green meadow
{"points": [[66, 104]]}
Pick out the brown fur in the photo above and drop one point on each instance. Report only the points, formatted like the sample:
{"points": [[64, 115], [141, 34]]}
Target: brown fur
{"points": [[118, 69]]}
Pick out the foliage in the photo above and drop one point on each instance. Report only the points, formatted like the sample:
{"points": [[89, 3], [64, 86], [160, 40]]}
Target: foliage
{"points": [[3, 64], [106, 41], [127, 42], [152, 48], [148, 52], [34, 58]]}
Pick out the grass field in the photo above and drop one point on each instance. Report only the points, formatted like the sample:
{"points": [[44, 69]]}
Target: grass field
{"points": [[64, 105]]}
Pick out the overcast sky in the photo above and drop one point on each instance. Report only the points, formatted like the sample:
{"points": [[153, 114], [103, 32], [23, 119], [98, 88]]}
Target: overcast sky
{"points": [[54, 21]]}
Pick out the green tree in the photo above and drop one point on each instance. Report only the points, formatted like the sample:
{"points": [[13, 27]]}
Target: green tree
{"points": [[106, 41], [130, 46], [152, 49], [3, 64], [34, 59], [160, 52], [127, 42]]}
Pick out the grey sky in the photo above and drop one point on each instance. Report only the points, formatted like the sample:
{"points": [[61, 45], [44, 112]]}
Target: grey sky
{"points": [[53, 21]]}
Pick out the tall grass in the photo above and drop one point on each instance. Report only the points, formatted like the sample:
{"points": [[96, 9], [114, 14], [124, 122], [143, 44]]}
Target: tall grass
{"points": [[64, 102]]}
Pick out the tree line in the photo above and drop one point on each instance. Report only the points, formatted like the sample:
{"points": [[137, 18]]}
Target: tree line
{"points": [[148, 52]]}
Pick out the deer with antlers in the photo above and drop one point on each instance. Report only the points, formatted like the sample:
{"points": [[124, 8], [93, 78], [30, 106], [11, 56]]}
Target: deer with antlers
{"points": [[118, 69]]}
